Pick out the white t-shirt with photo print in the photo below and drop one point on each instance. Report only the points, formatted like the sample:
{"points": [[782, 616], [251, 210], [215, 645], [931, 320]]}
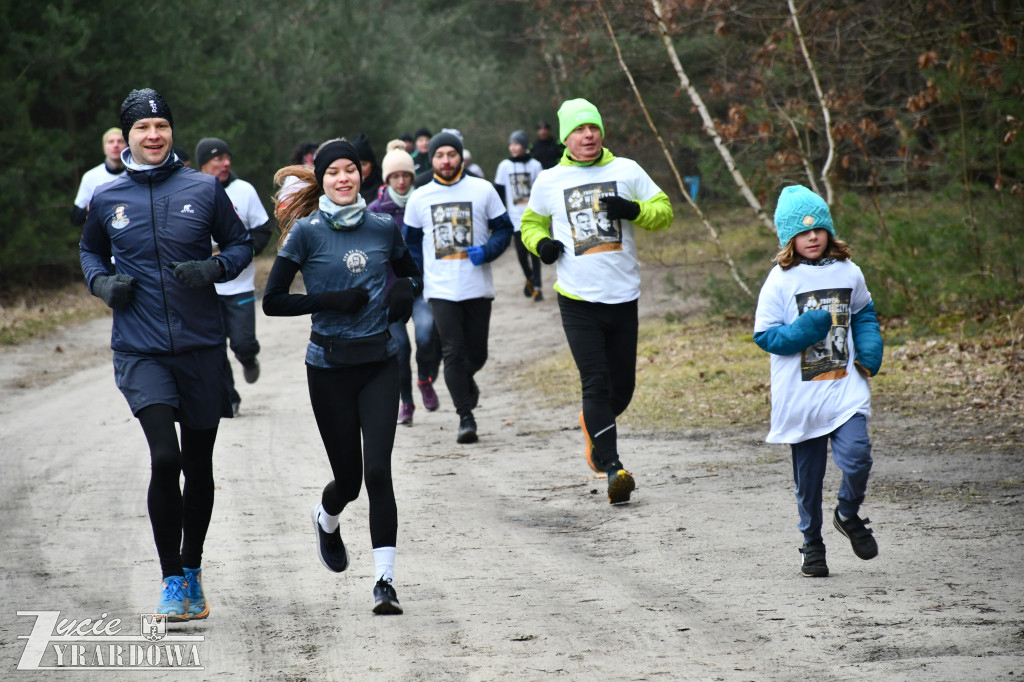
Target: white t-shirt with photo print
{"points": [[453, 218], [517, 177], [599, 263], [816, 391]]}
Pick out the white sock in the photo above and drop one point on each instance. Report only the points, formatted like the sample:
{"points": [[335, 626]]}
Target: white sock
{"points": [[384, 559], [327, 522]]}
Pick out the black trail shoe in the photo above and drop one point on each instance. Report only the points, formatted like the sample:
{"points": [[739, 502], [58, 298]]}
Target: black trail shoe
{"points": [[329, 546], [385, 600], [620, 485], [860, 536], [467, 430], [814, 565]]}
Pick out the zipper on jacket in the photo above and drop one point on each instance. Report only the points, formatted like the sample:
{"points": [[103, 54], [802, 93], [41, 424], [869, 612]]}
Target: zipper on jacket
{"points": [[160, 267]]}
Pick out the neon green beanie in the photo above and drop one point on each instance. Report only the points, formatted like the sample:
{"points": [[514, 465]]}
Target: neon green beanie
{"points": [[575, 112]]}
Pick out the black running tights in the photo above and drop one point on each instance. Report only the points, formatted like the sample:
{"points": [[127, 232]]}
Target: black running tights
{"points": [[356, 410], [602, 338], [180, 518]]}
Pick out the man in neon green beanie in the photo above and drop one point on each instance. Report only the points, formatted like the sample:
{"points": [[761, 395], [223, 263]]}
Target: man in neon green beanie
{"points": [[598, 272]]}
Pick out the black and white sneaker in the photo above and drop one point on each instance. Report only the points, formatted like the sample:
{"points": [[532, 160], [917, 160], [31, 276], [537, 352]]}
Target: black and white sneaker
{"points": [[385, 600], [814, 565], [860, 536], [329, 546]]}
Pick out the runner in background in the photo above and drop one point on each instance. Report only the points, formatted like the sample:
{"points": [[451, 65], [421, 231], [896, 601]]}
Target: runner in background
{"points": [[238, 296], [514, 179], [111, 169], [398, 170]]}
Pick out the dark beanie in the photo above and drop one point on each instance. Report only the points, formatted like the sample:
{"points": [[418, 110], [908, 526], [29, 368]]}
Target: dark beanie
{"points": [[331, 152], [210, 147], [140, 104], [422, 132], [444, 139], [362, 144]]}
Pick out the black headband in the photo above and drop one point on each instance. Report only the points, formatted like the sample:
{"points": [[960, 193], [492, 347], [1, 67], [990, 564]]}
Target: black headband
{"points": [[331, 152], [140, 104]]}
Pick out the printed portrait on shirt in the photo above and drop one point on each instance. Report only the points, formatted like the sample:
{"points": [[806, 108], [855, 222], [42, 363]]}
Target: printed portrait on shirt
{"points": [[592, 231], [519, 186], [453, 229], [827, 359]]}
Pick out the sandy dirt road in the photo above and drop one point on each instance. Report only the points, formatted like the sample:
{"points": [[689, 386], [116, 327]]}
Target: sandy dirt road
{"points": [[511, 563]]}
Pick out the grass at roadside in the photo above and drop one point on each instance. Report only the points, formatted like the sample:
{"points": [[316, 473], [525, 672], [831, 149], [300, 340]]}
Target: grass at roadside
{"points": [[37, 314]]}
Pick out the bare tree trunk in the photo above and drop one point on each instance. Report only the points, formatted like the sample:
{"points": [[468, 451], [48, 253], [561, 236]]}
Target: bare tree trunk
{"points": [[709, 125], [830, 160], [675, 171], [557, 75]]}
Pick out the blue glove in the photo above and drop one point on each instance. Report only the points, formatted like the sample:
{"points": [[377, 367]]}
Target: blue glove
{"points": [[789, 339], [476, 255]]}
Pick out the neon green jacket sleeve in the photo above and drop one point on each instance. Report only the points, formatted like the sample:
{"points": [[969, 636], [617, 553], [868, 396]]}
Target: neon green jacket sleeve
{"points": [[533, 227], [655, 213]]}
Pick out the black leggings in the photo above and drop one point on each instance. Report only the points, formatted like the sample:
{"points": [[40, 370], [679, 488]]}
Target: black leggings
{"points": [[527, 261], [602, 338], [464, 327], [356, 410], [180, 518]]}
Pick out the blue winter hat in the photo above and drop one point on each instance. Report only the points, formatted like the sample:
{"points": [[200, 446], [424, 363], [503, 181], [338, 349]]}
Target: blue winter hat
{"points": [[799, 209]]}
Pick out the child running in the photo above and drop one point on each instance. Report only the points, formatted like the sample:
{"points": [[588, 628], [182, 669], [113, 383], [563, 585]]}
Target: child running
{"points": [[816, 318], [343, 252]]}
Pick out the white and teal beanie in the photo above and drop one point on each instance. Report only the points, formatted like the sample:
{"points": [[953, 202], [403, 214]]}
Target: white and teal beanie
{"points": [[799, 209]]}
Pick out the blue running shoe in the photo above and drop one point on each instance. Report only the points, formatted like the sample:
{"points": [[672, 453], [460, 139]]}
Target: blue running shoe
{"points": [[197, 606], [173, 604]]}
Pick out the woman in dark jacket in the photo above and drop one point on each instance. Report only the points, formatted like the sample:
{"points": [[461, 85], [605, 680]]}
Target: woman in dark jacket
{"points": [[344, 253]]}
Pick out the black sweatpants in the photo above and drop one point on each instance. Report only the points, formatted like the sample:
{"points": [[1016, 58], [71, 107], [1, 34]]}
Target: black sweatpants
{"points": [[464, 327], [356, 410], [602, 338], [527, 261], [180, 518]]}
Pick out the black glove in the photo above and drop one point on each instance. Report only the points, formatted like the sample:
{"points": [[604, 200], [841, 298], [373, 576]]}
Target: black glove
{"points": [[619, 208], [198, 273], [549, 250], [399, 300], [117, 291], [344, 301]]}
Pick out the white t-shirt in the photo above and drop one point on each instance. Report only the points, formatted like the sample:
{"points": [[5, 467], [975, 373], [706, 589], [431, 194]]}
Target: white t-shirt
{"points": [[518, 178], [249, 208], [453, 218], [816, 391], [599, 263], [91, 181]]}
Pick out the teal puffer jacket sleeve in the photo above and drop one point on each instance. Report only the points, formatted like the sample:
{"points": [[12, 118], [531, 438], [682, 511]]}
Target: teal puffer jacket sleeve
{"points": [[789, 339], [867, 340]]}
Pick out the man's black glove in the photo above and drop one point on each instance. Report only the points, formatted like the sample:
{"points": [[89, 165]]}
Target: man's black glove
{"points": [[344, 301], [117, 291], [619, 208], [198, 273], [549, 250], [399, 300]]}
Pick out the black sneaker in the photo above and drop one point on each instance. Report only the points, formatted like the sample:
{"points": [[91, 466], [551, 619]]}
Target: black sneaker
{"points": [[814, 565], [385, 601], [251, 371], [860, 536], [329, 546], [474, 393], [620, 485], [467, 429]]}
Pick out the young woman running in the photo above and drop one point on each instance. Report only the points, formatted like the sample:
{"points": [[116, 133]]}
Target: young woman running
{"points": [[343, 252]]}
